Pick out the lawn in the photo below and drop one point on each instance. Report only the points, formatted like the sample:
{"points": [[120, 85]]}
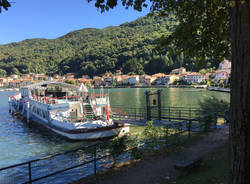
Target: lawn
{"points": [[214, 169]]}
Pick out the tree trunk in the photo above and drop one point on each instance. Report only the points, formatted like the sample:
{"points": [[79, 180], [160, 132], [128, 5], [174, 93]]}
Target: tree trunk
{"points": [[240, 93]]}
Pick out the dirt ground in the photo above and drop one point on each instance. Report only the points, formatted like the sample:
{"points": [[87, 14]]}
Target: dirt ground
{"points": [[158, 168]]}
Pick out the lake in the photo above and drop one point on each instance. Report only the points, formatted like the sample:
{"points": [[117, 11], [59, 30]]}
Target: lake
{"points": [[19, 143]]}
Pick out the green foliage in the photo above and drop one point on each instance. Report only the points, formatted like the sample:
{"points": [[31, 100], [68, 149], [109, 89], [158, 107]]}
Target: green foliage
{"points": [[119, 145], [211, 109], [202, 32], [3, 73], [151, 135], [129, 47], [70, 82]]}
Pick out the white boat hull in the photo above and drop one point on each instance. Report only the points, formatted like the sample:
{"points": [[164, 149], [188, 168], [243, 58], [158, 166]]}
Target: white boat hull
{"points": [[99, 134]]}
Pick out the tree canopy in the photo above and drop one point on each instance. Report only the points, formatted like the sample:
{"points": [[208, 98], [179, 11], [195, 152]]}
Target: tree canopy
{"points": [[5, 4]]}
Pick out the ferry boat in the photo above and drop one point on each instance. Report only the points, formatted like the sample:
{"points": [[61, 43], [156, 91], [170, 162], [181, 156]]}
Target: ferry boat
{"points": [[68, 110]]}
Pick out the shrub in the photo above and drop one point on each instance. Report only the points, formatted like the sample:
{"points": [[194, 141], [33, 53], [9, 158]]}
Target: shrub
{"points": [[211, 109]]}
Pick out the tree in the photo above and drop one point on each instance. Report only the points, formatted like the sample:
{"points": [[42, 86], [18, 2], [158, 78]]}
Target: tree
{"points": [[5, 4], [204, 32], [240, 93], [3, 73]]}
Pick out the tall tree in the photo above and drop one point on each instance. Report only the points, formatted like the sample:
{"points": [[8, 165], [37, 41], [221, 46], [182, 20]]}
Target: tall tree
{"points": [[204, 32], [240, 92]]}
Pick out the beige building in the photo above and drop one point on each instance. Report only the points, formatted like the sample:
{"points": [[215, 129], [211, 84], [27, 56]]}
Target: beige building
{"points": [[177, 71]]}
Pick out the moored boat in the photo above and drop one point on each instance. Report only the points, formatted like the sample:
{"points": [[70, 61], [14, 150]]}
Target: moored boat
{"points": [[68, 110]]}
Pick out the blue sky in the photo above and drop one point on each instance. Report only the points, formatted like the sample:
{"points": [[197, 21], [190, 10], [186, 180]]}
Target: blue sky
{"points": [[53, 18]]}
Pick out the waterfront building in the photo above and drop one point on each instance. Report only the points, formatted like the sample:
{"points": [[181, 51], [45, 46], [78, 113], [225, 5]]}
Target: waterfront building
{"points": [[170, 79], [107, 80], [69, 76], [221, 75], [146, 79], [3, 82], [14, 84], [125, 79], [118, 80], [177, 71], [40, 77], [195, 77], [14, 76], [84, 81], [26, 81], [98, 81], [225, 65], [223, 72]]}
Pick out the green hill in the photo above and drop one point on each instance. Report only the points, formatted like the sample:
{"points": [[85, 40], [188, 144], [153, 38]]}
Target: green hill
{"points": [[129, 47]]}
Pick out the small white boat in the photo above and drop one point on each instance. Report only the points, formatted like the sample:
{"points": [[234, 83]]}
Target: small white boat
{"points": [[68, 110]]}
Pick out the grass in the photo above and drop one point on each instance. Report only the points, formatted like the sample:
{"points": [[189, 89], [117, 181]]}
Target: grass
{"points": [[136, 129], [214, 169]]}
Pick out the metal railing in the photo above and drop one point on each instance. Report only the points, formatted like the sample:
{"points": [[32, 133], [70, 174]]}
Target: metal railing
{"points": [[167, 113], [33, 170]]}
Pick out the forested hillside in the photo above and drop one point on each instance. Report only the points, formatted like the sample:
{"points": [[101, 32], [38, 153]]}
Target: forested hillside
{"points": [[129, 47]]}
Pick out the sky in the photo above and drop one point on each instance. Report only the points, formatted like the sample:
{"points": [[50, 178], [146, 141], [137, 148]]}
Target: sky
{"points": [[53, 18]]}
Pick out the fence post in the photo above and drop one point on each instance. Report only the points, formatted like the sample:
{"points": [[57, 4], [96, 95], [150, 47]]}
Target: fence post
{"points": [[30, 178], [169, 114], [189, 127], [135, 113], [95, 159], [148, 106], [189, 123], [179, 114], [159, 104]]}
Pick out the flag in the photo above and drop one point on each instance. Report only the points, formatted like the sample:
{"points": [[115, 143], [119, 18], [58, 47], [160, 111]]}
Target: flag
{"points": [[107, 109]]}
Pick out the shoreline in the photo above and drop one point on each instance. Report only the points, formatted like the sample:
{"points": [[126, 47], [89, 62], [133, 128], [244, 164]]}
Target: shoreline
{"points": [[227, 90]]}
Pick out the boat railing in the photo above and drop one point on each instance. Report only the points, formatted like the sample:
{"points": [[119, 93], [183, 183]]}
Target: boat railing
{"points": [[71, 119], [54, 100]]}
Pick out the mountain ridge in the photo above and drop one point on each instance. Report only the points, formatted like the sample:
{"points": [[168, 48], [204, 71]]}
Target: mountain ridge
{"points": [[92, 51]]}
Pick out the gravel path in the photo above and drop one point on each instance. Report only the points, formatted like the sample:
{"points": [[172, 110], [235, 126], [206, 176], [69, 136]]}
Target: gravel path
{"points": [[156, 169]]}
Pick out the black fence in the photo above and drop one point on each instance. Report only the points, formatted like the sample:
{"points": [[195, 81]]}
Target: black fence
{"points": [[167, 113], [58, 168], [80, 162]]}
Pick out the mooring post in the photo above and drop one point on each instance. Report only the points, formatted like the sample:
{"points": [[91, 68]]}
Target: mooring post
{"points": [[159, 104]]}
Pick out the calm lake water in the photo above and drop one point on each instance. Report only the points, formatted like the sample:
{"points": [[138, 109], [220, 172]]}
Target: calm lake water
{"points": [[19, 143]]}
